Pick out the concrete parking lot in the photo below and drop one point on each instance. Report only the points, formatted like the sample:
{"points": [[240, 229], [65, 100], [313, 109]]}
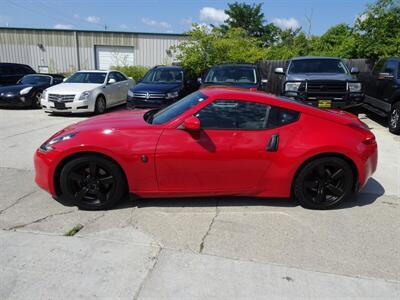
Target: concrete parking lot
{"points": [[229, 248]]}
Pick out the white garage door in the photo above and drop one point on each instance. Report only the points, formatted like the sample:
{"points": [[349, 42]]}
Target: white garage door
{"points": [[108, 56]]}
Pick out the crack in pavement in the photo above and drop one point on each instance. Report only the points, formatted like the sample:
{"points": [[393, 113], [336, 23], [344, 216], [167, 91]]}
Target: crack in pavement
{"points": [[38, 220], [149, 272], [17, 201], [217, 211]]}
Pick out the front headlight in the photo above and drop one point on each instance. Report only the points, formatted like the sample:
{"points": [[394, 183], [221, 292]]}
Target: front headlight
{"points": [[25, 90], [84, 95], [48, 146], [292, 86], [130, 93], [354, 87], [172, 95]]}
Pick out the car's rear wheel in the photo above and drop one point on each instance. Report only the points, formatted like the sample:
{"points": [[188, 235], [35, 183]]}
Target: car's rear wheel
{"points": [[323, 183], [394, 119], [36, 100], [92, 182], [100, 106]]}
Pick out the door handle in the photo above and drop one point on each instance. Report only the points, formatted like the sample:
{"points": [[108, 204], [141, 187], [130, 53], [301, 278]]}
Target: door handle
{"points": [[273, 143]]}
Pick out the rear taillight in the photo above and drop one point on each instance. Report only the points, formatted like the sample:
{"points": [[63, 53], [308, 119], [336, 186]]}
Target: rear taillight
{"points": [[369, 137]]}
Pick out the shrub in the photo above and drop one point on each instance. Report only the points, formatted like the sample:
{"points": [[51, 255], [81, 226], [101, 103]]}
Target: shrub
{"points": [[136, 72]]}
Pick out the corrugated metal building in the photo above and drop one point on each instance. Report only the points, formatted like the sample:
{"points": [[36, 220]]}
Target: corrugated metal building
{"points": [[63, 51]]}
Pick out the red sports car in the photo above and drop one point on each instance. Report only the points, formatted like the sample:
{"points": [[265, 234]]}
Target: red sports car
{"points": [[213, 142]]}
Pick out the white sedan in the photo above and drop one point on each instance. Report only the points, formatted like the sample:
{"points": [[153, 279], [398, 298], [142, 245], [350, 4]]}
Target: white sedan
{"points": [[87, 91]]}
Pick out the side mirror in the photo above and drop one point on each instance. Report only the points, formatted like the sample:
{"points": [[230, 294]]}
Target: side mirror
{"points": [[264, 81], [199, 80], [111, 81], [139, 80], [279, 71], [383, 76], [192, 123], [354, 70]]}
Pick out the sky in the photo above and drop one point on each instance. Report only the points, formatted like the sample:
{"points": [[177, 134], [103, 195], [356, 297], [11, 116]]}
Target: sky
{"points": [[171, 16]]}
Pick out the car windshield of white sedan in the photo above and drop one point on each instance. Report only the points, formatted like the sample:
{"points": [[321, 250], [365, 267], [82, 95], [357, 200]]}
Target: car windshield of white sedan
{"points": [[334, 66], [231, 75], [87, 77], [35, 79], [164, 76], [176, 109]]}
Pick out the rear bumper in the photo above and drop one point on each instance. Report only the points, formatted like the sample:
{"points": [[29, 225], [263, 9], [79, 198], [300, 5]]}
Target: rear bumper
{"points": [[368, 165]]}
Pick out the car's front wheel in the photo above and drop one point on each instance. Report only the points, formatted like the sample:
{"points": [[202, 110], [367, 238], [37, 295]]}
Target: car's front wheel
{"points": [[394, 119], [100, 105], [92, 182], [323, 183]]}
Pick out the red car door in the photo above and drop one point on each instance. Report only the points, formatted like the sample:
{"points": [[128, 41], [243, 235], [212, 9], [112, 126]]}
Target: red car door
{"points": [[229, 153]]}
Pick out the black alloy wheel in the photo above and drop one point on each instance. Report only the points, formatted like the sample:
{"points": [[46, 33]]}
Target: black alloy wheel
{"points": [[92, 182], [323, 183], [394, 119], [36, 100]]}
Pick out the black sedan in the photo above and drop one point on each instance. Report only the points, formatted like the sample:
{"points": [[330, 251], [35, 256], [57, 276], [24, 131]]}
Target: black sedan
{"points": [[28, 90]]}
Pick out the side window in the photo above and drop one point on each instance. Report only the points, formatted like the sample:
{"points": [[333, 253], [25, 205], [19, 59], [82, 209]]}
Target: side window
{"points": [[244, 115], [378, 68], [6, 70], [398, 71], [120, 76], [390, 67], [113, 76]]}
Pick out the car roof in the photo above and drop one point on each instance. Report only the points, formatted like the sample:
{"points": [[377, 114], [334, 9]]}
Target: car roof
{"points": [[314, 57], [234, 65], [13, 64], [169, 67]]}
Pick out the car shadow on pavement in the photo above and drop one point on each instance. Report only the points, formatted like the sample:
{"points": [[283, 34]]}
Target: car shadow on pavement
{"points": [[372, 191], [374, 117]]}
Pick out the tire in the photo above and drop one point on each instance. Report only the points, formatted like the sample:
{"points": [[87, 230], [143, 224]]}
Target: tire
{"points": [[394, 119], [92, 182], [323, 183], [100, 106], [36, 100]]}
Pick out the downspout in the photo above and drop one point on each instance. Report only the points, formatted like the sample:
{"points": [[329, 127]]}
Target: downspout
{"points": [[78, 60]]}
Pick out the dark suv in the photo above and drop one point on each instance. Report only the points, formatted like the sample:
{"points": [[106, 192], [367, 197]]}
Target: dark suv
{"points": [[247, 76], [382, 91], [10, 73], [324, 82], [161, 86]]}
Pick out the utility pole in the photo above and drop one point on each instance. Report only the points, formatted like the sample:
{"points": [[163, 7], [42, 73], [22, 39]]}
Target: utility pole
{"points": [[309, 21]]}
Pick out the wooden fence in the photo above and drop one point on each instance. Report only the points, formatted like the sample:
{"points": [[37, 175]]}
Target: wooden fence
{"points": [[267, 68]]}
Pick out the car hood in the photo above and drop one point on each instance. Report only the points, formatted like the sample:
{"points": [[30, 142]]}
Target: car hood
{"points": [[75, 88], [319, 76], [13, 88], [144, 87], [128, 119]]}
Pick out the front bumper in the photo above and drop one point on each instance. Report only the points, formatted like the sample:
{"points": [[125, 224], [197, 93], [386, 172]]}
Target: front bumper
{"points": [[43, 171], [347, 101], [12, 101], [148, 103], [77, 106]]}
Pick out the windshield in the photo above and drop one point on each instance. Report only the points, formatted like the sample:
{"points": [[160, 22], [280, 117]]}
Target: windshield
{"points": [[174, 110], [87, 77], [231, 75], [35, 79], [317, 66], [164, 75]]}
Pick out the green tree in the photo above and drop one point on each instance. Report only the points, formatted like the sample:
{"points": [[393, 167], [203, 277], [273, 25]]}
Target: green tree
{"points": [[206, 47], [338, 41], [252, 20], [378, 30]]}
